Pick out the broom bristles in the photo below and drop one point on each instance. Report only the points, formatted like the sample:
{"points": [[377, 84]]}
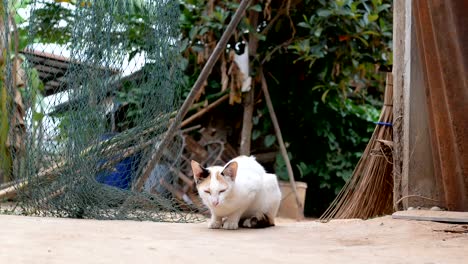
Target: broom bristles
{"points": [[369, 191]]}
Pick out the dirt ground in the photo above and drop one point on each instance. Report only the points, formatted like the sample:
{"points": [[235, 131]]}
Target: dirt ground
{"points": [[381, 240]]}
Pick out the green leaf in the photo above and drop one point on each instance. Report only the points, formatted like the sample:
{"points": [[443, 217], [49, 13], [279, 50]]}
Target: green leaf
{"points": [[256, 8], [323, 13], [255, 120], [324, 95], [316, 87], [260, 37], [132, 54], [280, 167], [19, 19], [370, 32], [383, 7], [354, 6], [256, 134], [203, 31], [340, 3], [193, 32], [304, 169], [318, 32], [304, 25], [37, 116], [269, 140], [373, 17], [363, 41]]}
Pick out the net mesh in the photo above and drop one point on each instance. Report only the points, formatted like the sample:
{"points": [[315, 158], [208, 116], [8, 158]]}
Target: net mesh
{"points": [[88, 89]]}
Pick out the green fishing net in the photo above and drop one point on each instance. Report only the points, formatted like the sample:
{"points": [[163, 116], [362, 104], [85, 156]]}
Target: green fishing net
{"points": [[88, 90]]}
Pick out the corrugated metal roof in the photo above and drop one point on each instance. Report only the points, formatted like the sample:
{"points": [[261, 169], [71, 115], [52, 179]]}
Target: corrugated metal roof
{"points": [[53, 70]]}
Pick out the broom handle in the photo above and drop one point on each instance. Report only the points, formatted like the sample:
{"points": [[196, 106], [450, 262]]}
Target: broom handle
{"points": [[220, 47]]}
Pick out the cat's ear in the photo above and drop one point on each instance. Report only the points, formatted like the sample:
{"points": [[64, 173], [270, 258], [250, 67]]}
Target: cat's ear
{"points": [[230, 170], [199, 173]]}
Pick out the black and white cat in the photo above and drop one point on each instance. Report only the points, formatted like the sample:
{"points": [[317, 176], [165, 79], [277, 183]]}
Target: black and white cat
{"points": [[241, 192]]}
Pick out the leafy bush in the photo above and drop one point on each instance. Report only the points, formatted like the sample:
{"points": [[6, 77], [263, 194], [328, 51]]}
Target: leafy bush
{"points": [[338, 48], [321, 60]]}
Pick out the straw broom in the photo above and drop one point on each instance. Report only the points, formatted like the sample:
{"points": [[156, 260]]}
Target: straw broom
{"points": [[369, 192]]}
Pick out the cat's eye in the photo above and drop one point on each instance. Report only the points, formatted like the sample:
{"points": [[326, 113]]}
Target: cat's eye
{"points": [[207, 191], [221, 191]]}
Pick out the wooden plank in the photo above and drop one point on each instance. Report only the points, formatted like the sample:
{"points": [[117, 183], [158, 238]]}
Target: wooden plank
{"points": [[56, 64], [195, 148], [43, 68], [405, 122], [399, 14], [414, 173], [44, 75], [418, 169], [442, 38], [54, 84], [436, 216]]}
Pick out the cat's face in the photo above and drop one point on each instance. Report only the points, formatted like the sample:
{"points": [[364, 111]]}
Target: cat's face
{"points": [[214, 184]]}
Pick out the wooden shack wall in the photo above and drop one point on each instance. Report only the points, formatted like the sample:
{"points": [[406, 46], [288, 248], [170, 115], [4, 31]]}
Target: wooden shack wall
{"points": [[431, 103]]}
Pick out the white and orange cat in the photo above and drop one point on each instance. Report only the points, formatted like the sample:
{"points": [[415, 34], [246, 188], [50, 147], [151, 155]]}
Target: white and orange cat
{"points": [[240, 193]]}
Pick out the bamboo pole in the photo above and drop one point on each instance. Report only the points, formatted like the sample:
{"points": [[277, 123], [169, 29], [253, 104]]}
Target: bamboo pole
{"points": [[204, 110], [11, 190]]}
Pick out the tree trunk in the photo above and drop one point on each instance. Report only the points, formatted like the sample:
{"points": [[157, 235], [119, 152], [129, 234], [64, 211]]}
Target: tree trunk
{"points": [[249, 100], [12, 112]]}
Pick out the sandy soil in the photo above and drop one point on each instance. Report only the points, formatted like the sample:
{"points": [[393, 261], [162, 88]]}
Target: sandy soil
{"points": [[381, 240]]}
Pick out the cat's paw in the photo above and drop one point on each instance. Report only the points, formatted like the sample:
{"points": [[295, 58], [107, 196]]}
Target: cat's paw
{"points": [[214, 224], [230, 225]]}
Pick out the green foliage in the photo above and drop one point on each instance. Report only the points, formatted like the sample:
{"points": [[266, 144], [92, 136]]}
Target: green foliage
{"points": [[321, 61], [33, 94], [280, 166], [343, 43], [346, 39], [127, 31], [54, 20], [5, 157]]}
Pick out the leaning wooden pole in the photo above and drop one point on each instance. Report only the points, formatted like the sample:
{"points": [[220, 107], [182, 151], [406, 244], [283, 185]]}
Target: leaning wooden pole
{"points": [[284, 153], [220, 47]]}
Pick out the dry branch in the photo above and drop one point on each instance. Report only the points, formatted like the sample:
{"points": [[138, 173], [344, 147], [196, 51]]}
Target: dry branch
{"points": [[11, 190], [284, 153], [196, 149]]}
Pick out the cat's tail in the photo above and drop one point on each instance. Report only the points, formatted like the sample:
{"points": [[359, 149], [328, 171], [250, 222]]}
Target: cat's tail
{"points": [[261, 221]]}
